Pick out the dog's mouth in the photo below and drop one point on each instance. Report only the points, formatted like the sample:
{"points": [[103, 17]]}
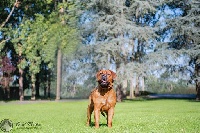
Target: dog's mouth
{"points": [[103, 83]]}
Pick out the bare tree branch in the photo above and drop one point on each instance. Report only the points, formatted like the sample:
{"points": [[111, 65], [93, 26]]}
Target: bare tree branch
{"points": [[4, 41], [3, 24]]}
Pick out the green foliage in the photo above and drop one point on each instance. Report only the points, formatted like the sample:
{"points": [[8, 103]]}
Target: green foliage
{"points": [[49, 1], [41, 37], [186, 28], [122, 34], [167, 87], [31, 37], [36, 32], [130, 116]]}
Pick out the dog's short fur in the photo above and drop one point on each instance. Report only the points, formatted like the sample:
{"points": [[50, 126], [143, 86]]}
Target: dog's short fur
{"points": [[102, 98]]}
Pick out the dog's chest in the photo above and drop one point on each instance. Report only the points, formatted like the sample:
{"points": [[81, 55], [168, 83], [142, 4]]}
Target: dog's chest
{"points": [[105, 102]]}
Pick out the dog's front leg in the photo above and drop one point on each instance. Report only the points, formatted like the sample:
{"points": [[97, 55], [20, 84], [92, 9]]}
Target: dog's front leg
{"points": [[110, 116], [96, 116], [89, 112]]}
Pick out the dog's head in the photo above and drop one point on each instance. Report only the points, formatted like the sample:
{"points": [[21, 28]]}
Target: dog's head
{"points": [[105, 78]]}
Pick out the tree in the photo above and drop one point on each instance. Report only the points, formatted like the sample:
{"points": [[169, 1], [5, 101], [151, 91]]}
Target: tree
{"points": [[68, 36], [40, 33], [45, 39], [7, 69], [130, 35], [10, 28], [117, 27], [180, 29], [185, 36]]}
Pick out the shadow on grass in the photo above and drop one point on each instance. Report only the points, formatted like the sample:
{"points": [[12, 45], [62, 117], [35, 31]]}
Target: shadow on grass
{"points": [[92, 124]]}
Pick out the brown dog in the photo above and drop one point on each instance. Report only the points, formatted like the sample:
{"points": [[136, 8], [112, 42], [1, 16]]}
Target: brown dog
{"points": [[102, 98]]}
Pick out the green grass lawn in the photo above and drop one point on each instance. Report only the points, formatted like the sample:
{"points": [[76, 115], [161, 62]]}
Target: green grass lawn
{"points": [[144, 116]]}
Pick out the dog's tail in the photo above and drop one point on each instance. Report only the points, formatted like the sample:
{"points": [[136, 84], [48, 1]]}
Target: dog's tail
{"points": [[103, 114]]}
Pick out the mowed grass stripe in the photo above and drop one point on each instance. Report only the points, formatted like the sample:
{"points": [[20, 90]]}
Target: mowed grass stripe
{"points": [[145, 116]]}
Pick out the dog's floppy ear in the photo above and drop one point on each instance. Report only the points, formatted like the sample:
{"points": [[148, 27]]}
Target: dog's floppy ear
{"points": [[113, 74], [97, 75]]}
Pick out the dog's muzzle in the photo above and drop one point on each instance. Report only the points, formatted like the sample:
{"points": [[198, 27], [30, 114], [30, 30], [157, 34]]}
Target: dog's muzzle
{"points": [[103, 82]]}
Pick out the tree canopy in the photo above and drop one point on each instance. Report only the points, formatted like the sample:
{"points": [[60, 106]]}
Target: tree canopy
{"points": [[139, 38], [142, 41], [40, 28]]}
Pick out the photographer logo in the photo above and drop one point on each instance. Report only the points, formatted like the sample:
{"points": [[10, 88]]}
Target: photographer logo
{"points": [[6, 125]]}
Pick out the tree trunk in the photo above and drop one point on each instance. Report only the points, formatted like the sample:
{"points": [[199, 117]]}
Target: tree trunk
{"points": [[142, 83], [59, 69], [108, 62], [136, 85], [45, 83], [21, 72], [132, 89], [33, 86], [5, 81], [121, 90], [45, 90], [132, 58], [124, 86], [197, 75], [197, 70], [49, 83], [21, 90], [74, 89], [37, 85], [198, 90], [119, 93]]}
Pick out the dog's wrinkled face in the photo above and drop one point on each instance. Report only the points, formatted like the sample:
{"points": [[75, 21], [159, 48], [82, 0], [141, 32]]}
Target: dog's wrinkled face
{"points": [[105, 78]]}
